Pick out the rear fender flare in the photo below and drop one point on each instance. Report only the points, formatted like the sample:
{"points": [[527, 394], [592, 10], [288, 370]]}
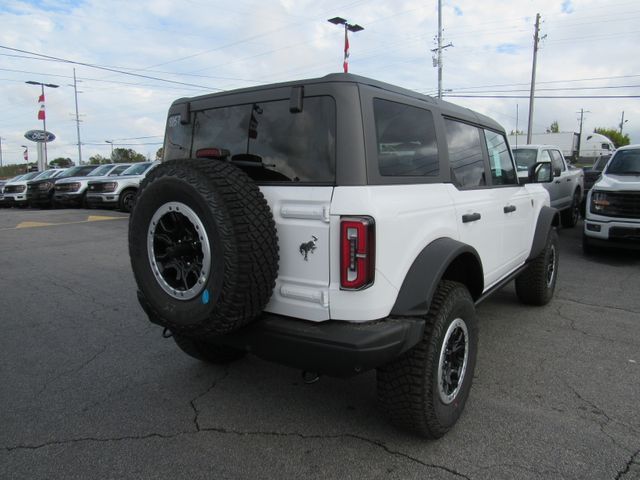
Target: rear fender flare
{"points": [[444, 256], [547, 219]]}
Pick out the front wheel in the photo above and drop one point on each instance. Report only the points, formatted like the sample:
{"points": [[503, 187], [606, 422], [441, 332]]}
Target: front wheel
{"points": [[127, 200], [571, 215], [535, 286], [426, 388]]}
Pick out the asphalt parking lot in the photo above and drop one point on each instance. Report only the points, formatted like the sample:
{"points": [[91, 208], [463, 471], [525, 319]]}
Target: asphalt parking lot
{"points": [[90, 389]]}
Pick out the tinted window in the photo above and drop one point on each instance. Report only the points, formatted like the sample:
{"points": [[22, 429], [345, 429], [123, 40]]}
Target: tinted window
{"points": [[625, 162], [502, 171], [272, 144], [465, 154], [525, 158], [556, 160], [406, 140], [119, 169], [601, 162]]}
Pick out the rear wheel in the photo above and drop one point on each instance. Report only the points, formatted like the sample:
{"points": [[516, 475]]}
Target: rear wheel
{"points": [[426, 388], [208, 352]]}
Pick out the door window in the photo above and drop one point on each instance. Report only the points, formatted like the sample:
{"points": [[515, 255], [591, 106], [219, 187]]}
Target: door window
{"points": [[502, 171], [465, 154]]}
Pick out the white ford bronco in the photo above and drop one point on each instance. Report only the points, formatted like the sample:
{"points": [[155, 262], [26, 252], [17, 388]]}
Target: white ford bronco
{"points": [[339, 225]]}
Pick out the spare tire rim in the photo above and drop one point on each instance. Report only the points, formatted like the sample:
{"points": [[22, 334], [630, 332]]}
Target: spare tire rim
{"points": [[551, 266], [179, 252], [454, 355]]}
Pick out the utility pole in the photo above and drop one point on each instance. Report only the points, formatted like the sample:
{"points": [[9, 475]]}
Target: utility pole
{"points": [[582, 112], [438, 59], [75, 90], [536, 41]]}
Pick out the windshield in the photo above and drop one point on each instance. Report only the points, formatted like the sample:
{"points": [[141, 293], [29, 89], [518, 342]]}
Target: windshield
{"points": [[16, 178], [30, 176], [601, 162], [48, 174], [625, 162], [525, 158], [138, 169], [77, 171], [101, 171]]}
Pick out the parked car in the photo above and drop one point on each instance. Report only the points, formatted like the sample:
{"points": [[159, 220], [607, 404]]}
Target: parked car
{"points": [[566, 189], [72, 190], [119, 192], [339, 225], [591, 174], [4, 182], [613, 213], [40, 190], [15, 192]]}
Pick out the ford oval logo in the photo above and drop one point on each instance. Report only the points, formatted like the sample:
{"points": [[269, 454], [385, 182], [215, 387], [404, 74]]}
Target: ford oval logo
{"points": [[39, 136]]}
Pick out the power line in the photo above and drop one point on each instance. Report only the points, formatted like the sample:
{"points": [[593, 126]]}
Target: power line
{"points": [[541, 96]]}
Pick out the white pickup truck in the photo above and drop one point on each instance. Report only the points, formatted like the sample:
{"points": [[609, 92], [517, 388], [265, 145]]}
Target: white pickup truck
{"points": [[566, 189]]}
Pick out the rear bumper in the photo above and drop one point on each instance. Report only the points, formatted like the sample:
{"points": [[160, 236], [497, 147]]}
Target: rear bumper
{"points": [[334, 348]]}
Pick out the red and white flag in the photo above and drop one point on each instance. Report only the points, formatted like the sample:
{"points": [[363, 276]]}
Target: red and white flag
{"points": [[41, 111], [345, 64], [25, 155]]}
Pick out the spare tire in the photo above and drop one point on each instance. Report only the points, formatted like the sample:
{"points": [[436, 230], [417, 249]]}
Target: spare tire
{"points": [[203, 247]]}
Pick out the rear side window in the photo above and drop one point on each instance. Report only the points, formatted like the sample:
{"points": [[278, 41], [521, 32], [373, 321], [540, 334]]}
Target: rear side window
{"points": [[502, 171], [406, 140], [270, 143], [465, 154]]}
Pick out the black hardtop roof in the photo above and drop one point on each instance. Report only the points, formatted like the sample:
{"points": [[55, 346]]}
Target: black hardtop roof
{"points": [[445, 107]]}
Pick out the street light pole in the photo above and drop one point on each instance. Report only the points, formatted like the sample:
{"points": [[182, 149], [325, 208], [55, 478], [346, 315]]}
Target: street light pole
{"points": [[75, 90], [348, 27], [110, 142], [0, 152], [44, 117]]}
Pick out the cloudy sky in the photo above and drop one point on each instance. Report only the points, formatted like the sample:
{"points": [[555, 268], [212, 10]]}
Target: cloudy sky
{"points": [[151, 52]]}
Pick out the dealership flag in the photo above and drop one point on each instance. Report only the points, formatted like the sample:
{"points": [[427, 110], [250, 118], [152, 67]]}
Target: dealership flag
{"points": [[25, 154], [345, 64], [41, 111]]}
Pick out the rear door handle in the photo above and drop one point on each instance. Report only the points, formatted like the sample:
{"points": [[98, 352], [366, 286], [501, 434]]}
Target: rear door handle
{"points": [[470, 217], [509, 209]]}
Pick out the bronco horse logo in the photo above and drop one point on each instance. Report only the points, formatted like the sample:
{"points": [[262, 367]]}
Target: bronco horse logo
{"points": [[308, 247]]}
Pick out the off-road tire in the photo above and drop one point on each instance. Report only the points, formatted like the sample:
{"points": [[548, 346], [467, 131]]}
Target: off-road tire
{"points": [[408, 386], [535, 286], [570, 216], [127, 200], [208, 352], [243, 245]]}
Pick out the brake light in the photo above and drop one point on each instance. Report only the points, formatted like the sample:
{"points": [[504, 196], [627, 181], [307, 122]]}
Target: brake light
{"points": [[357, 252]]}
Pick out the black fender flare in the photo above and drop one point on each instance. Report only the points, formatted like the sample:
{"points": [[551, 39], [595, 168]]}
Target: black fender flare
{"points": [[547, 219], [429, 267]]}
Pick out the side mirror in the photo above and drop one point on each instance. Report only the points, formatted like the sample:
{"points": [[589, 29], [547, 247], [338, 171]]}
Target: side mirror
{"points": [[541, 172]]}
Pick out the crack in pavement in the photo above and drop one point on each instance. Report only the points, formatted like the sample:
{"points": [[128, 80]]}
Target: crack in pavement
{"points": [[627, 468], [192, 402], [604, 420], [572, 326], [612, 307], [72, 370], [224, 431]]}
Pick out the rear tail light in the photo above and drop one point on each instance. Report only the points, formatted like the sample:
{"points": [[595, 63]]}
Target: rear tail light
{"points": [[357, 252]]}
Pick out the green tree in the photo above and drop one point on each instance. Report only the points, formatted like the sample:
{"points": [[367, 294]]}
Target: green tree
{"points": [[98, 159], [127, 155], [554, 127], [61, 162], [160, 153], [615, 136]]}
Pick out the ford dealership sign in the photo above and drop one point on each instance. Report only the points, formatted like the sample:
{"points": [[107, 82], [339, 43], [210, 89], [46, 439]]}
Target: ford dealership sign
{"points": [[39, 136]]}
